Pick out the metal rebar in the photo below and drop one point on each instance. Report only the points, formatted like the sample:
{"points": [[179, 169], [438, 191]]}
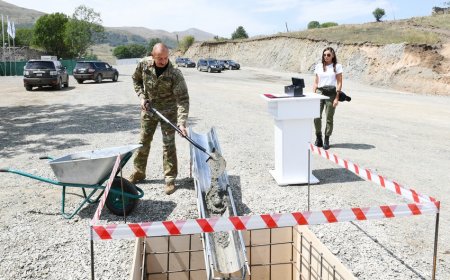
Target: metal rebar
{"points": [[310, 259], [436, 230], [92, 254], [168, 257], [123, 198], [309, 175]]}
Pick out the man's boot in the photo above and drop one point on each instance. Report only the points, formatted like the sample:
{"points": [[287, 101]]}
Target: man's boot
{"points": [[326, 144], [319, 142], [136, 177], [170, 188]]}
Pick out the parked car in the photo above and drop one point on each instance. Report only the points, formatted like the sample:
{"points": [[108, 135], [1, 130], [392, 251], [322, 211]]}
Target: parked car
{"points": [[184, 62], [222, 64], [232, 65], [209, 65], [39, 73], [94, 70]]}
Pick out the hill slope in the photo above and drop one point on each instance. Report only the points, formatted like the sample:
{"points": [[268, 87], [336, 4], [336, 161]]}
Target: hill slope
{"points": [[20, 16]]}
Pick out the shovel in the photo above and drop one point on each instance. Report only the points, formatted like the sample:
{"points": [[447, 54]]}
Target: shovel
{"points": [[215, 161]]}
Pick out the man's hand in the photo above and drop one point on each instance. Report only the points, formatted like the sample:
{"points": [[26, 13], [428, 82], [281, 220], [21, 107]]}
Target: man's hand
{"points": [[145, 104], [183, 130]]}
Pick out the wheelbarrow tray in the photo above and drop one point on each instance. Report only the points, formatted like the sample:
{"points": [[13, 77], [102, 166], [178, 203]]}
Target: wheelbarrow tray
{"points": [[88, 167]]}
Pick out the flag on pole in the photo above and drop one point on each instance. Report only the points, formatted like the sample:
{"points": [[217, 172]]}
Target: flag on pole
{"points": [[13, 30], [9, 26]]}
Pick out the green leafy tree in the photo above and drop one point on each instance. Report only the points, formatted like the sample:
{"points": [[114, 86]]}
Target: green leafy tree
{"points": [[129, 51], [378, 13], [328, 24], [49, 34], [24, 37], [152, 43], [239, 33], [83, 30], [121, 52], [186, 42], [137, 50], [313, 24]]}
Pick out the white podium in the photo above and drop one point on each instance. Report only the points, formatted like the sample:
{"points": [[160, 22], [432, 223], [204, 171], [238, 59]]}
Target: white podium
{"points": [[293, 129]]}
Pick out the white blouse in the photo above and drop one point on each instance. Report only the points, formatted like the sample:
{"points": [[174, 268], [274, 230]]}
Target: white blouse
{"points": [[327, 78]]}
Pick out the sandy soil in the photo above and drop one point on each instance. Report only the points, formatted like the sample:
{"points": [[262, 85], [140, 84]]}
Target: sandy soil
{"points": [[402, 136]]}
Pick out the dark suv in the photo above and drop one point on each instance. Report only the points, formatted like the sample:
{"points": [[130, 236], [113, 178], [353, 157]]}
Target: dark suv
{"points": [[209, 65], [185, 62], [94, 70], [232, 65], [38, 73]]}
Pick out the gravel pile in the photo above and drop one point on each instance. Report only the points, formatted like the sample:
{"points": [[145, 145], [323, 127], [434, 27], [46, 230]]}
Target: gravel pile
{"points": [[401, 136]]}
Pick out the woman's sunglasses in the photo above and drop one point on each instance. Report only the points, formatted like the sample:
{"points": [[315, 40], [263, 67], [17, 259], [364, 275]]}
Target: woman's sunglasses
{"points": [[327, 54]]}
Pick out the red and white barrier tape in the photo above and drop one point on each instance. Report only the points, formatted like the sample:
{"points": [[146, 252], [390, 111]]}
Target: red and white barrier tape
{"points": [[217, 224], [101, 204], [371, 176], [422, 205]]}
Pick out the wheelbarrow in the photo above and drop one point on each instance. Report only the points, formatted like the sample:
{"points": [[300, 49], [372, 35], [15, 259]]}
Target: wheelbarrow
{"points": [[89, 170]]}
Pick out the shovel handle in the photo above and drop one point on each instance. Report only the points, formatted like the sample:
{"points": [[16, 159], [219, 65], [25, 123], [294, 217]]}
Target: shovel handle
{"points": [[153, 110]]}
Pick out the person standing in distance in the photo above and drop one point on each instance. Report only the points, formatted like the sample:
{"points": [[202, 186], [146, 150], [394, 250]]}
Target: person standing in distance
{"points": [[160, 85], [328, 82]]}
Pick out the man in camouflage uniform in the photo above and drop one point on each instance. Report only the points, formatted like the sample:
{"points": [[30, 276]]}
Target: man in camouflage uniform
{"points": [[160, 85]]}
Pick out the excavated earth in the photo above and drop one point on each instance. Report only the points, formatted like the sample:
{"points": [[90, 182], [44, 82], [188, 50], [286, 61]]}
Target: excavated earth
{"points": [[420, 69]]}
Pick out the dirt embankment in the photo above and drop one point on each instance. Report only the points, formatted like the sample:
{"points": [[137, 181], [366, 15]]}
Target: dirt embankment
{"points": [[415, 68]]}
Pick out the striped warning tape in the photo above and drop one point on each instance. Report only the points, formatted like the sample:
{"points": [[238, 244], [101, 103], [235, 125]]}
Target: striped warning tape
{"points": [[371, 176], [101, 204], [421, 205], [217, 224]]}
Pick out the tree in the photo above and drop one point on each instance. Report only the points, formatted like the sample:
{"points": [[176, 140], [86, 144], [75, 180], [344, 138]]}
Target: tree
{"points": [[48, 34], [121, 52], [24, 36], [328, 24], [83, 30], [186, 42], [313, 24], [129, 51], [239, 33], [378, 13]]}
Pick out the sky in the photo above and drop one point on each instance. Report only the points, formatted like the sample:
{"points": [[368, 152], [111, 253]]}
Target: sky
{"points": [[221, 18]]}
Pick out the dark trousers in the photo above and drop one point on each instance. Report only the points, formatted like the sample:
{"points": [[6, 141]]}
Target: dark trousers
{"points": [[327, 105]]}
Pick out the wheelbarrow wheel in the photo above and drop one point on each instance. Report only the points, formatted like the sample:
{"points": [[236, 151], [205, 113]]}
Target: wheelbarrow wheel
{"points": [[114, 200]]}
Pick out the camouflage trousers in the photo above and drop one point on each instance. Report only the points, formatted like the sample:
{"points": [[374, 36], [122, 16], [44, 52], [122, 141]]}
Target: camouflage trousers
{"points": [[326, 104], [148, 127]]}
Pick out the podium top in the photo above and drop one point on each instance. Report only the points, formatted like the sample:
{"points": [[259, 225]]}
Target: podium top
{"points": [[288, 107], [290, 98]]}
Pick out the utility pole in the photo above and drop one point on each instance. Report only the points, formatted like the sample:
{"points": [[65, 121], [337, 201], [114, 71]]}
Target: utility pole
{"points": [[287, 30], [3, 47]]}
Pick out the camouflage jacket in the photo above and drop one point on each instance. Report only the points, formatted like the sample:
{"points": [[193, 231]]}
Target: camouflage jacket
{"points": [[167, 92]]}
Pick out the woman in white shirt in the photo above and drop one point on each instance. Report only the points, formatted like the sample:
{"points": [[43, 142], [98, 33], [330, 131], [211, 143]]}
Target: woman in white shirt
{"points": [[328, 82]]}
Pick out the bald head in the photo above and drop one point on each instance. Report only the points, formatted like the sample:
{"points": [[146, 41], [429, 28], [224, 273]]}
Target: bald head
{"points": [[160, 54]]}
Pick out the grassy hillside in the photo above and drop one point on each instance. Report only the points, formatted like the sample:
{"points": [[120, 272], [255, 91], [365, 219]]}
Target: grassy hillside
{"points": [[20, 16], [419, 30]]}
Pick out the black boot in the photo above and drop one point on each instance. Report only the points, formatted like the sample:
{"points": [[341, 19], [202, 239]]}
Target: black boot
{"points": [[318, 142], [326, 144]]}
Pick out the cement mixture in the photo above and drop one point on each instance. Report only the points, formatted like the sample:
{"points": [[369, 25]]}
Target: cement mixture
{"points": [[217, 202]]}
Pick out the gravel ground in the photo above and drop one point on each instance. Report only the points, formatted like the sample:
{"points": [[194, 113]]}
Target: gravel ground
{"points": [[400, 135]]}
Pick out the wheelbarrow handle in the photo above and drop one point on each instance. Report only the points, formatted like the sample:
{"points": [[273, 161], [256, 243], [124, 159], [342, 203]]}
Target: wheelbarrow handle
{"points": [[153, 110], [45, 157]]}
